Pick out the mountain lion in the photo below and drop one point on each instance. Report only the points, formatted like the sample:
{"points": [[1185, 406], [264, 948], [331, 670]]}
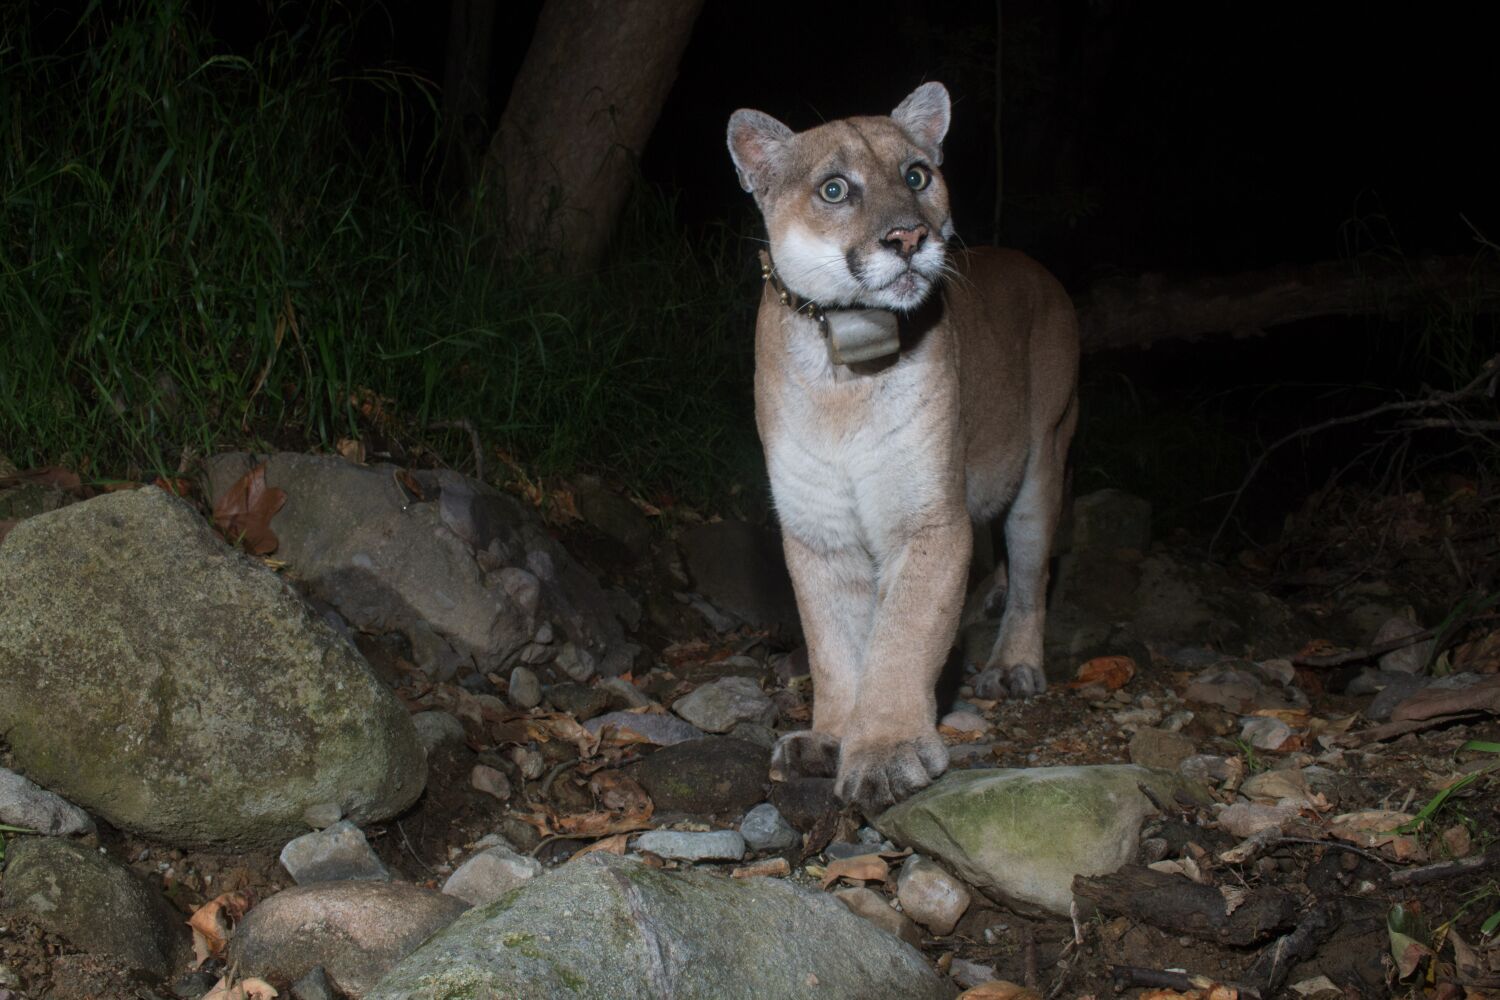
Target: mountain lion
{"points": [[903, 386]]}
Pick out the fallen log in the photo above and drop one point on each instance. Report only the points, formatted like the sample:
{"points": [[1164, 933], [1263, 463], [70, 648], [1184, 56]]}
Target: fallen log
{"points": [[1178, 905], [1137, 311]]}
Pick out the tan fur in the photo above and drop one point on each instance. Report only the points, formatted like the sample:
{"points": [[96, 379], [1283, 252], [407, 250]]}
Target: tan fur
{"points": [[877, 469]]}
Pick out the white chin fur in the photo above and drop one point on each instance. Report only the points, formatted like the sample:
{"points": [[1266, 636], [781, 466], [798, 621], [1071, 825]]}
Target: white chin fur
{"points": [[816, 269]]}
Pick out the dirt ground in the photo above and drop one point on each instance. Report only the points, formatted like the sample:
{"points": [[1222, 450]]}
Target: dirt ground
{"points": [[1433, 548]]}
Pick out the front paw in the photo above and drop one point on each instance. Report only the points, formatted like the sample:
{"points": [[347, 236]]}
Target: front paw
{"points": [[879, 775], [1019, 681], [804, 754]]}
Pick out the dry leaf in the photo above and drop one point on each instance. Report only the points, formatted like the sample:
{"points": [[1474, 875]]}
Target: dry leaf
{"points": [[617, 844], [769, 868], [618, 792], [51, 475], [1114, 672], [175, 485], [352, 449], [245, 989], [243, 514], [999, 989], [212, 923], [867, 867]]}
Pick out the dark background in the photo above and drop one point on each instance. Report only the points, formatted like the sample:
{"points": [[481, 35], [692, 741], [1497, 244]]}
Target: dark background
{"points": [[1137, 136]]}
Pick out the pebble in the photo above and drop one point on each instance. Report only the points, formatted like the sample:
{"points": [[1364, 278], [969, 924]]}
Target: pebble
{"points": [[1210, 767], [529, 762], [490, 781], [1409, 659], [490, 874], [677, 845], [971, 974], [576, 663], [1175, 722], [1142, 716], [1245, 819], [339, 853], [1158, 748], [765, 829], [1265, 732], [623, 694], [718, 706], [32, 807], [965, 722], [931, 896], [712, 776], [323, 815], [840, 850], [873, 907], [436, 728], [754, 732], [578, 700], [659, 729], [525, 689]]}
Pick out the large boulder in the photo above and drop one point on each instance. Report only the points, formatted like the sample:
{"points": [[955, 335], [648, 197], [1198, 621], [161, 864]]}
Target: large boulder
{"points": [[94, 902], [655, 933], [181, 690], [469, 575], [1020, 835]]}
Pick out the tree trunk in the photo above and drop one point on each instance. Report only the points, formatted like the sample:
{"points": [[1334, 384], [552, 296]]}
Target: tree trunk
{"points": [[582, 106], [1135, 312], [466, 77]]}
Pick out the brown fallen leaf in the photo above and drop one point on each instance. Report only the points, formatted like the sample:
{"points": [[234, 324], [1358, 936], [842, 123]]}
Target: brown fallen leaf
{"points": [[618, 843], [769, 868], [212, 923], [245, 989], [50, 475], [867, 867], [243, 514], [1114, 672], [618, 792], [351, 449], [999, 989]]}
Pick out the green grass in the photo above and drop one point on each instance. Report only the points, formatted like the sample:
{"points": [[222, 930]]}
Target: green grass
{"points": [[195, 254]]}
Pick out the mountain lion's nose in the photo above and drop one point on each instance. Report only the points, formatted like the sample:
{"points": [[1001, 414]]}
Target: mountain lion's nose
{"points": [[905, 241]]}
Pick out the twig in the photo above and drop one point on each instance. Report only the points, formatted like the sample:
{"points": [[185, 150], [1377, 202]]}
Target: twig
{"points": [[1451, 423], [1480, 385], [412, 850], [1337, 846], [1364, 652], [1028, 953], [552, 775], [1443, 870], [1127, 976], [464, 424], [1272, 965]]}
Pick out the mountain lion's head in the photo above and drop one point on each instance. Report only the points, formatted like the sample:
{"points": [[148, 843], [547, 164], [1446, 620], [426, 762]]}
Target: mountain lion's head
{"points": [[856, 209]]}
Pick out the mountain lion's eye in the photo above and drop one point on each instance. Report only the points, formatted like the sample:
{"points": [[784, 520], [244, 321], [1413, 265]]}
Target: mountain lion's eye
{"points": [[918, 177], [834, 190]]}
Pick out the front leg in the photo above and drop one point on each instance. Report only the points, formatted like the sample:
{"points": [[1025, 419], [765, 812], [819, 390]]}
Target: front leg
{"points": [[891, 746], [835, 590]]}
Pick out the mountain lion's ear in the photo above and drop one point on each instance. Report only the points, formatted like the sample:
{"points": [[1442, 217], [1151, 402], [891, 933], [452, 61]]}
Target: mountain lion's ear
{"points": [[755, 142], [925, 115]]}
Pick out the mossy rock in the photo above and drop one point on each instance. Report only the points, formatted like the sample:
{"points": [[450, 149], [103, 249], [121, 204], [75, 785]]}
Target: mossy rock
{"points": [[181, 690]]}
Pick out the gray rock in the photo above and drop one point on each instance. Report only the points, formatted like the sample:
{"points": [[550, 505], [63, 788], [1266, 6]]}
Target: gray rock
{"points": [[765, 829], [971, 974], [1157, 748], [322, 816], [613, 516], [804, 801], [740, 569], [357, 931], [875, 908], [94, 902], [578, 700], [659, 729], [183, 691], [623, 694], [436, 728], [680, 845], [1207, 767], [576, 662], [313, 986], [490, 874], [337, 854], [1394, 689], [1411, 659], [713, 775], [464, 560], [754, 732], [718, 706], [660, 934], [1020, 835], [525, 689], [1110, 519], [931, 896], [30, 807], [1265, 733]]}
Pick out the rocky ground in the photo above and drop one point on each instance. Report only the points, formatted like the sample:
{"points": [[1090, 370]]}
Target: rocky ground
{"points": [[420, 737]]}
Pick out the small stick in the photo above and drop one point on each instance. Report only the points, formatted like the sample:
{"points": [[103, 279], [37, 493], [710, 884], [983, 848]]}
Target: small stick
{"points": [[464, 424], [1443, 870], [1028, 951], [1364, 652], [1127, 976]]}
